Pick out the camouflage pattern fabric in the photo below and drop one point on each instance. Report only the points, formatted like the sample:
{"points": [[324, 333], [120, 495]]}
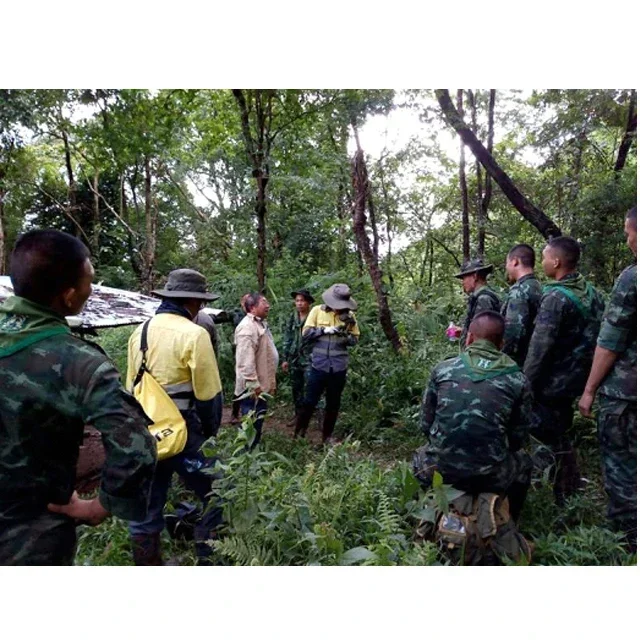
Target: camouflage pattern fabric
{"points": [[476, 426], [619, 333], [519, 311], [51, 388], [564, 338], [298, 354], [482, 299], [618, 436]]}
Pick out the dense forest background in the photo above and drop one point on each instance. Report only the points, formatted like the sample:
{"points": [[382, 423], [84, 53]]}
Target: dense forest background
{"points": [[277, 190]]}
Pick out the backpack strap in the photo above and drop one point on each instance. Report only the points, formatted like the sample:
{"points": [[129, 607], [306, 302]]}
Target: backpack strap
{"points": [[144, 346]]}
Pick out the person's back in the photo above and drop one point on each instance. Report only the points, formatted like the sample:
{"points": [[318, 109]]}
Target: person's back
{"points": [[469, 414], [52, 385], [520, 310], [564, 337]]}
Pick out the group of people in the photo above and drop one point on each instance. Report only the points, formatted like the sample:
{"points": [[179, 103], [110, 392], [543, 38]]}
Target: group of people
{"points": [[523, 364]]}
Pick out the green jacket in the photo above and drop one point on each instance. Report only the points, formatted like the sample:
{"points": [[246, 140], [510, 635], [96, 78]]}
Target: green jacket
{"points": [[482, 299], [519, 310], [475, 413], [619, 333], [295, 352], [52, 385], [564, 338]]}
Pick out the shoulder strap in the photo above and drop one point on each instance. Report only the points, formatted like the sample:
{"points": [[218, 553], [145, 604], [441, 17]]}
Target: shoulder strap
{"points": [[144, 346], [584, 312]]}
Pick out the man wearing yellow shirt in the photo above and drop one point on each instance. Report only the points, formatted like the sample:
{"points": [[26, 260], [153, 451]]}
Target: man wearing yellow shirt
{"points": [[331, 328], [181, 358]]}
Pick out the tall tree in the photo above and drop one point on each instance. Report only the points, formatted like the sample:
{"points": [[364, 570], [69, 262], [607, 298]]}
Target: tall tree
{"points": [[466, 240], [629, 134], [529, 212]]}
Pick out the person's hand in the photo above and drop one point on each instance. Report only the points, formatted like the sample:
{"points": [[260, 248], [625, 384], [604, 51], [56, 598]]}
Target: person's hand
{"points": [[285, 366], [458, 331], [329, 331], [89, 512], [585, 404]]}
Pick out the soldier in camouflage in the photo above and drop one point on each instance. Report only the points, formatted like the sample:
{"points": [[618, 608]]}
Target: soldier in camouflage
{"points": [[614, 378], [523, 300], [52, 385], [296, 355], [475, 414], [481, 296], [560, 353]]}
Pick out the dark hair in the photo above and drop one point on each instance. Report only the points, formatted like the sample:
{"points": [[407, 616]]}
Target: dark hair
{"points": [[44, 263], [632, 215], [252, 300], [488, 325], [568, 248], [524, 253]]}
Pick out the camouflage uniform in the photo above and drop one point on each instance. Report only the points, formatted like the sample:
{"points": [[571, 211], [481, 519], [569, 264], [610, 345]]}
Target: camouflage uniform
{"points": [[475, 413], [482, 299], [558, 364], [52, 385], [617, 421], [519, 311], [298, 355]]}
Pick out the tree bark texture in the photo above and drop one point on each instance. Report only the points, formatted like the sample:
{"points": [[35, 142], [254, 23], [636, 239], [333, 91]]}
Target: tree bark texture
{"points": [[480, 222], [529, 211], [466, 241], [151, 228], [361, 190], [258, 149], [629, 134], [488, 182]]}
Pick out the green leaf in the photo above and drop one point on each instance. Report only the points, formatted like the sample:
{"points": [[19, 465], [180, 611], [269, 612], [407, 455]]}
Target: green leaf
{"points": [[357, 554], [426, 513], [437, 480]]}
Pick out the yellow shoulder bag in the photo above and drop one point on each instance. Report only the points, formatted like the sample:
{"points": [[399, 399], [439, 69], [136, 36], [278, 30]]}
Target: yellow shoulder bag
{"points": [[169, 427]]}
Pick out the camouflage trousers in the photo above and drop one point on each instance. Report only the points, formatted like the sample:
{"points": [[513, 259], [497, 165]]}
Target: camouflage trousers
{"points": [[618, 436], [44, 540], [551, 422], [298, 377]]}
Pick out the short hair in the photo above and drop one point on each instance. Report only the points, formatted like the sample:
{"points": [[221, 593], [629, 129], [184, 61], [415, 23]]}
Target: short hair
{"points": [[524, 253], [631, 216], [568, 248], [44, 263], [488, 325], [252, 300]]}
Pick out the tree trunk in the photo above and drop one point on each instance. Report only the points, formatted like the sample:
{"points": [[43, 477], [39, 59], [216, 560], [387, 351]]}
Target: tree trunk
{"points": [[466, 243], [361, 189], [72, 189], [480, 223], [629, 135], [529, 212], [95, 237], [151, 224], [3, 233], [488, 184]]}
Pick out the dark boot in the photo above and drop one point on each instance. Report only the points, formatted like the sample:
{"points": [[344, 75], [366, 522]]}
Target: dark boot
{"points": [[328, 424], [302, 421], [567, 480], [517, 493], [146, 550]]}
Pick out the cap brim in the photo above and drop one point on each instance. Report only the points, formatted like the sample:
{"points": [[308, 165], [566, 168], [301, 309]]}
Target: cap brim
{"points": [[462, 274], [198, 295], [311, 299]]}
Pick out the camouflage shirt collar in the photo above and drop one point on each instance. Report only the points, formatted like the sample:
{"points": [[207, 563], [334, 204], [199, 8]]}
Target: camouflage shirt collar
{"points": [[483, 360], [23, 323]]}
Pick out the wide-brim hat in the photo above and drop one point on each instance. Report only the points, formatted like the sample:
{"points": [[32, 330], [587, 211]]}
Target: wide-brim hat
{"points": [[305, 293], [338, 296], [186, 283], [474, 266]]}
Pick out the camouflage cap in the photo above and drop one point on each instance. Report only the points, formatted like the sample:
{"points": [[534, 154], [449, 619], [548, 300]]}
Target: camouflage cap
{"points": [[476, 265], [186, 283]]}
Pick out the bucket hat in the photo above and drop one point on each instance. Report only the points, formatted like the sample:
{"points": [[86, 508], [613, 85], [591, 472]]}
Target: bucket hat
{"points": [[186, 283], [305, 293], [338, 296], [474, 266]]}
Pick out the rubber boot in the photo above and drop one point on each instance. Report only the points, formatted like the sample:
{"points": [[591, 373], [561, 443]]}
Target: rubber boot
{"points": [[328, 424], [146, 550], [302, 421]]}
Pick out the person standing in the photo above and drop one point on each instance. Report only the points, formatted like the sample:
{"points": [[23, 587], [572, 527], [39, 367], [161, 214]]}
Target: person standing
{"points": [[523, 300], [560, 354], [181, 359], [295, 354], [613, 378], [481, 296], [54, 383], [331, 329], [237, 316], [256, 361]]}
